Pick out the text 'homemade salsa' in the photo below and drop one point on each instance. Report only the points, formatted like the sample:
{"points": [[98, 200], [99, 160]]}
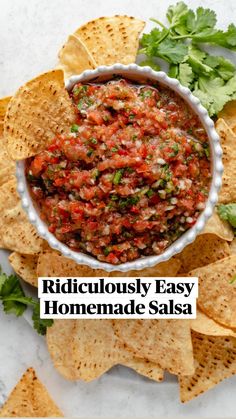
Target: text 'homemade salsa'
{"points": [[132, 176]]}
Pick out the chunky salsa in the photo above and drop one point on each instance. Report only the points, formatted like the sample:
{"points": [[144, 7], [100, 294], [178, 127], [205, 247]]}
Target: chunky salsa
{"points": [[131, 177]]}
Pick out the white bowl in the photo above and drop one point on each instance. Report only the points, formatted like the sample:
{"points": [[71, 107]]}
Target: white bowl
{"points": [[145, 75]]}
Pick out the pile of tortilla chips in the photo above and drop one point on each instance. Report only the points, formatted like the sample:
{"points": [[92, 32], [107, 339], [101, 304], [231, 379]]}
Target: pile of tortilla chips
{"points": [[201, 352]]}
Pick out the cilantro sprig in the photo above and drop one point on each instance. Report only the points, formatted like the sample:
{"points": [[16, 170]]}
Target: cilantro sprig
{"points": [[228, 213], [14, 301], [211, 78]]}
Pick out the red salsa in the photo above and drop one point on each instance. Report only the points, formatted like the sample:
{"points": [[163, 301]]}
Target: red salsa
{"points": [[132, 177]]}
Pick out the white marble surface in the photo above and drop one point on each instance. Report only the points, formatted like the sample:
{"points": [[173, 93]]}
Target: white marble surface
{"points": [[31, 32]]}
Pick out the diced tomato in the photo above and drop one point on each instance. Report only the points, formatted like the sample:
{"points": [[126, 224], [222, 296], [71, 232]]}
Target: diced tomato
{"points": [[95, 117], [134, 210], [112, 258], [193, 169], [179, 169]]}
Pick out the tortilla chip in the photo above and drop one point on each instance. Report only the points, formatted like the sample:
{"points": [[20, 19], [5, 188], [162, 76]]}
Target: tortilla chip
{"points": [[54, 264], [206, 249], [25, 266], [168, 268], [112, 39], [206, 326], [16, 232], [215, 360], [165, 342], [7, 166], [74, 57], [228, 141], [30, 399], [86, 349], [218, 227], [217, 290], [39, 110], [228, 113], [3, 107], [233, 247]]}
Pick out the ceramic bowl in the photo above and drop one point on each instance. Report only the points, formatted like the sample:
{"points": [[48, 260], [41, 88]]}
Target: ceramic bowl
{"points": [[143, 75]]}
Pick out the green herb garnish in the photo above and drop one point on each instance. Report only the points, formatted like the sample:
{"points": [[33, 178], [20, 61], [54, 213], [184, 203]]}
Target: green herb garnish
{"points": [[149, 193], [89, 153], [175, 148], [114, 197], [211, 78], [118, 176], [78, 90], [106, 251], [15, 301], [228, 213], [114, 149], [74, 128], [145, 94], [129, 201]]}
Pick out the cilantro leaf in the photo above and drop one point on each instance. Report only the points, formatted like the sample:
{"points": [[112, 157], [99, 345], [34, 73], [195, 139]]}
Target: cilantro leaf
{"points": [[15, 301], [204, 99], [228, 212], [172, 51], [211, 78], [202, 20], [10, 287], [218, 37], [149, 62], [40, 324], [157, 44], [149, 41], [186, 75], [230, 35], [196, 52], [173, 71], [196, 60], [176, 14], [214, 93], [223, 67]]}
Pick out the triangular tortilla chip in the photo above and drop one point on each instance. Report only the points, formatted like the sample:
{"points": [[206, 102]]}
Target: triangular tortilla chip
{"points": [[206, 326], [112, 39], [217, 290], [74, 57], [25, 266], [30, 399], [218, 227], [86, 349], [206, 249], [16, 232], [7, 166], [39, 110], [53, 264], [228, 141], [215, 360], [166, 342], [228, 113]]}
